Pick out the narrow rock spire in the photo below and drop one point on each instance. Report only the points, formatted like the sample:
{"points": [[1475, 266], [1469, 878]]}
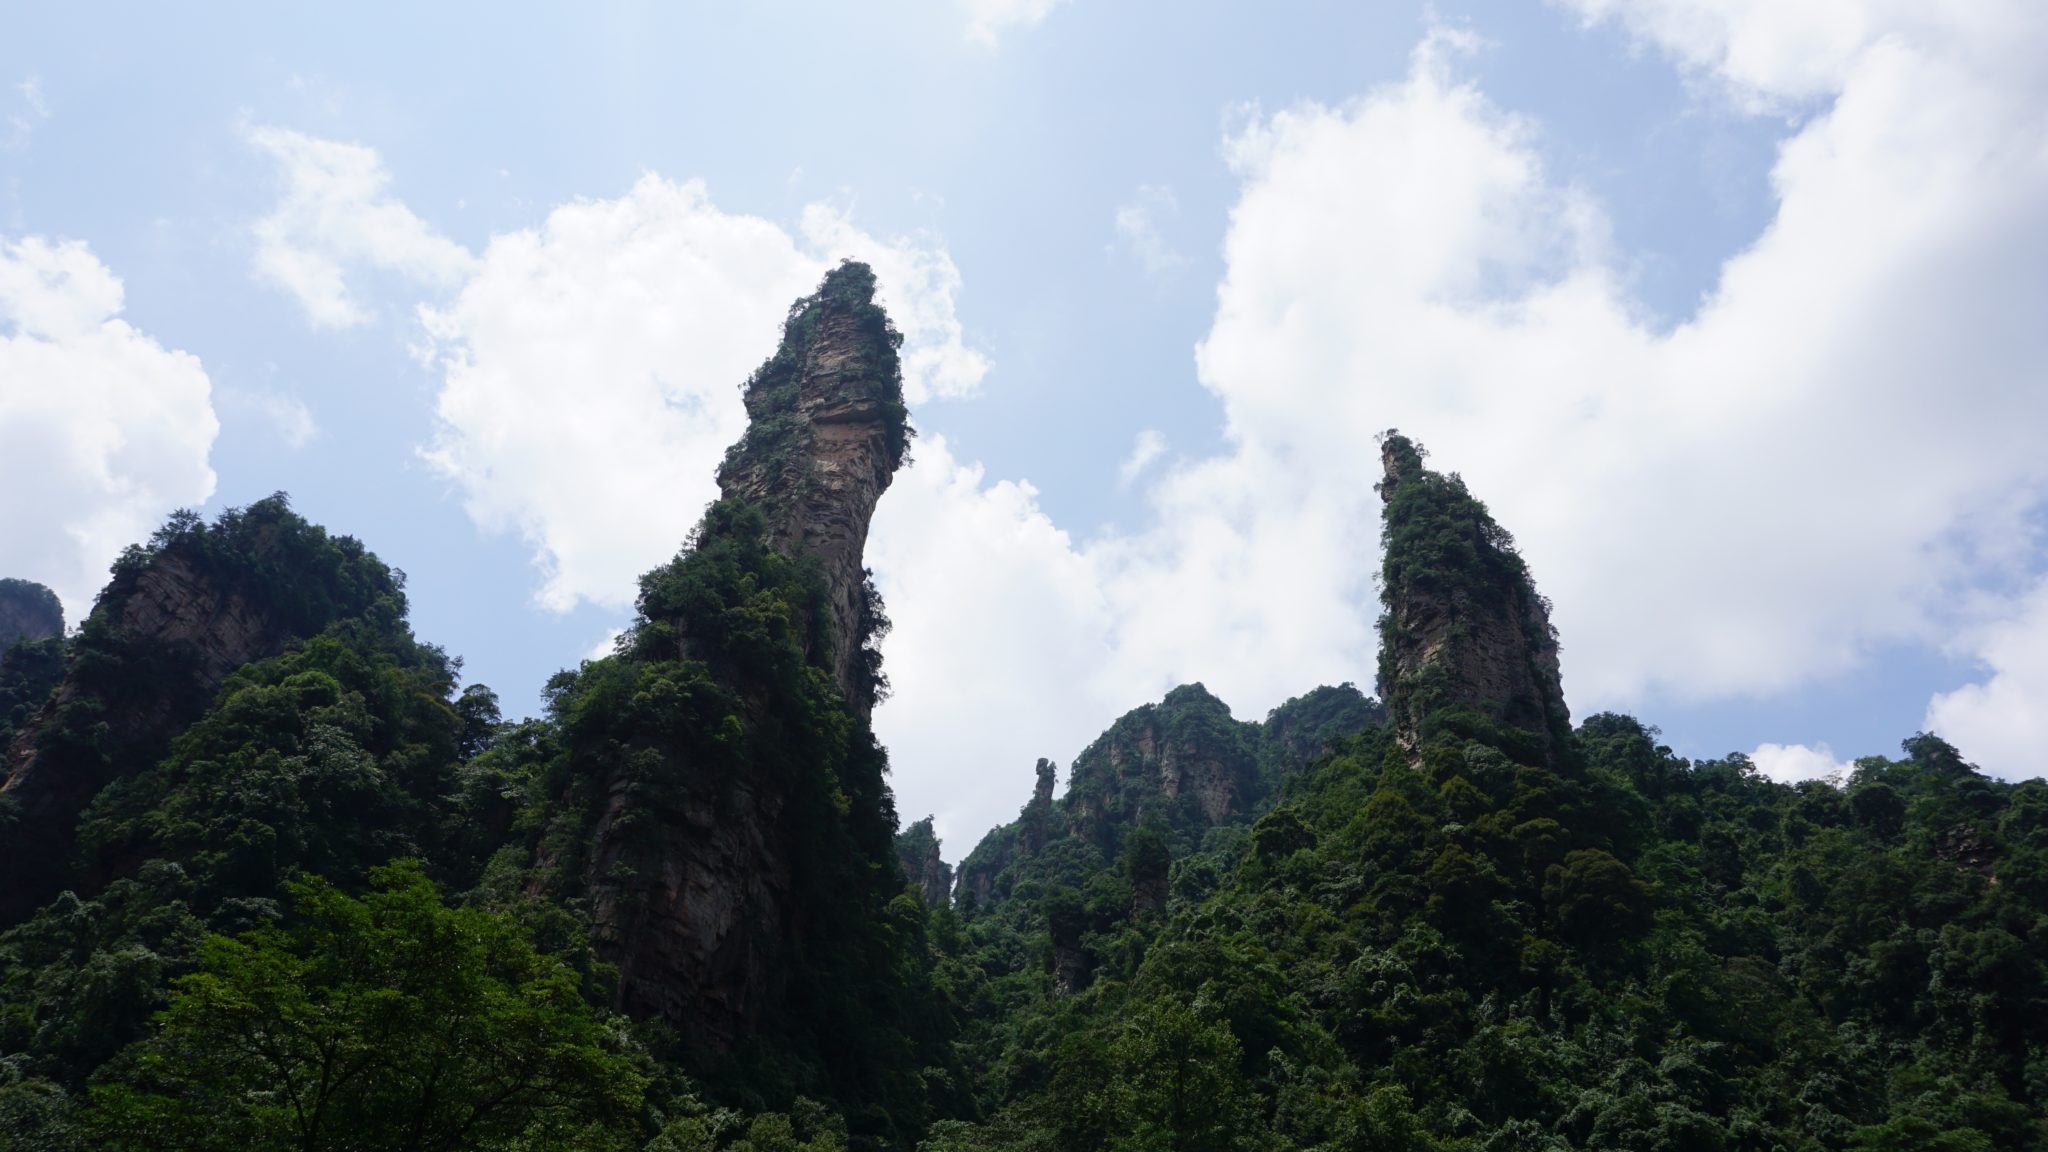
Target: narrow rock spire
{"points": [[827, 429], [1465, 639]]}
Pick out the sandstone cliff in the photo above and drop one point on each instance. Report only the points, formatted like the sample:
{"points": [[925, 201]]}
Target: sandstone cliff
{"points": [[728, 823], [826, 432], [1465, 639], [178, 617]]}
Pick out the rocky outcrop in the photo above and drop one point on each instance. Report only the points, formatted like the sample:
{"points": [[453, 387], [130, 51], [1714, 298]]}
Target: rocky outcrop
{"points": [[1464, 637], [1184, 759], [917, 851], [1184, 765], [28, 611], [825, 436], [710, 863], [175, 622]]}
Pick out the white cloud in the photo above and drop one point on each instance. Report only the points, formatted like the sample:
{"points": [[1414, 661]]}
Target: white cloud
{"points": [[1148, 447], [102, 431], [917, 282], [1718, 509], [34, 110], [1844, 435], [1791, 763], [606, 646], [1841, 440], [2001, 724], [289, 418], [1003, 646], [337, 216], [1138, 230], [987, 20], [591, 367]]}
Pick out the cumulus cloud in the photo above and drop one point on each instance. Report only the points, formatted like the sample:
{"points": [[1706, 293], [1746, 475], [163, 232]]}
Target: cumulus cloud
{"points": [[1840, 444], [987, 20], [1719, 508], [1836, 448], [102, 430], [1149, 446], [591, 367], [1792, 763], [1138, 230], [1003, 643], [337, 216], [2001, 724]]}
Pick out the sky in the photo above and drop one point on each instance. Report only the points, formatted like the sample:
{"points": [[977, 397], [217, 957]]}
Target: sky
{"points": [[1731, 310]]}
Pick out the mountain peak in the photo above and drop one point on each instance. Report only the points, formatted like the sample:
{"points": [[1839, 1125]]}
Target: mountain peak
{"points": [[827, 430], [1465, 641]]}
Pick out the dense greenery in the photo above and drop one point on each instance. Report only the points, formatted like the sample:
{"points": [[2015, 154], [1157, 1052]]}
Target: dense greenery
{"points": [[130, 688], [1489, 937], [1225, 772], [388, 1022], [29, 671], [28, 611], [1637, 953], [722, 682], [330, 899]]}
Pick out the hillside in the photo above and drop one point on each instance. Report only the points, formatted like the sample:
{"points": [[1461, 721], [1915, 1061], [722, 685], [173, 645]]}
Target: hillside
{"points": [[276, 879]]}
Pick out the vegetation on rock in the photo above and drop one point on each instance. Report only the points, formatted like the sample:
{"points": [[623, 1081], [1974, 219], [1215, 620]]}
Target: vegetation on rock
{"points": [[298, 888]]}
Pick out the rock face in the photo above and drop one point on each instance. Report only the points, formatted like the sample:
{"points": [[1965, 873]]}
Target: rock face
{"points": [[917, 851], [1185, 753], [28, 611], [697, 871], [1464, 635], [1183, 764], [826, 434], [177, 619]]}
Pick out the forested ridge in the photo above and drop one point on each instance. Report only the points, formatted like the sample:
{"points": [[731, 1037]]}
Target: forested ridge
{"points": [[278, 879]]}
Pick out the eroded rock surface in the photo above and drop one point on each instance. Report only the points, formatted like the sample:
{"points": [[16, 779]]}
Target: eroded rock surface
{"points": [[696, 875], [825, 437], [1464, 633]]}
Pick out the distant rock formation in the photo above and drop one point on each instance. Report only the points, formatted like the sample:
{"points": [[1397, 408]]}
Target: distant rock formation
{"points": [[177, 619], [1464, 636], [28, 611], [1184, 764], [917, 850]]}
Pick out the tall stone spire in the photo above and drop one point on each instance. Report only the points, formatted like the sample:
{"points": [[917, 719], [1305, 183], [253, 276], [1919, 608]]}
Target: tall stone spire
{"points": [[1464, 637], [721, 850], [826, 431]]}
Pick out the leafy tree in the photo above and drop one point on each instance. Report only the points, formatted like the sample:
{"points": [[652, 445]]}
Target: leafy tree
{"points": [[390, 1022]]}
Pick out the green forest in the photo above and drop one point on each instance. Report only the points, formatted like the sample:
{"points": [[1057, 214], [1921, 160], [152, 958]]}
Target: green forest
{"points": [[276, 877]]}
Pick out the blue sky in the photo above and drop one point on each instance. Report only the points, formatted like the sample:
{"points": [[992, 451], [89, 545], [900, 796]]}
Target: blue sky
{"points": [[1728, 311]]}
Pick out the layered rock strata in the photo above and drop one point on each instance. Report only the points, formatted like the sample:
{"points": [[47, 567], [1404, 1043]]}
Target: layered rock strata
{"points": [[825, 435]]}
